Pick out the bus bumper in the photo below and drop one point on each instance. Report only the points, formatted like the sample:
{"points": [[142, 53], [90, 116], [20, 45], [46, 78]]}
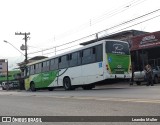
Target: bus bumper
{"points": [[120, 76]]}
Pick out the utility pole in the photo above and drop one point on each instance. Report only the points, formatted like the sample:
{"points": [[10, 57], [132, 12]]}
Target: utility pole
{"points": [[25, 38]]}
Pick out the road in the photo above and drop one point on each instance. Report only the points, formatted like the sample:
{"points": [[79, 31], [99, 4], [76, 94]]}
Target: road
{"points": [[109, 100]]}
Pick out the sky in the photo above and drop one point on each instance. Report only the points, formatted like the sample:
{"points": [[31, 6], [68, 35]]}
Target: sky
{"points": [[56, 22]]}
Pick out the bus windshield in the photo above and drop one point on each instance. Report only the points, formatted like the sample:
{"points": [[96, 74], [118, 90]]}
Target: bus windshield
{"points": [[117, 47]]}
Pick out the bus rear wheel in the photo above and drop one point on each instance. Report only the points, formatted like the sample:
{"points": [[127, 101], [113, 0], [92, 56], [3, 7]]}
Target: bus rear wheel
{"points": [[88, 87], [138, 83], [67, 83], [32, 87]]}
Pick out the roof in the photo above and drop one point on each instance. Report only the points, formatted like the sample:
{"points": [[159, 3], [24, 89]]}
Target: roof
{"points": [[112, 36], [38, 58]]}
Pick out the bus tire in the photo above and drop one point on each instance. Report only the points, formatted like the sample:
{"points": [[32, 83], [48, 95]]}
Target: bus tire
{"points": [[32, 87], [67, 83], [138, 83], [88, 87], [50, 88]]}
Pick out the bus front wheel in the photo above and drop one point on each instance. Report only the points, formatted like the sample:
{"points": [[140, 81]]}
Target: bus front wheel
{"points": [[50, 88], [67, 83], [32, 87]]}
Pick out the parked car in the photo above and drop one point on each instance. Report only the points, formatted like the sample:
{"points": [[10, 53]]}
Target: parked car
{"points": [[139, 76], [10, 85]]}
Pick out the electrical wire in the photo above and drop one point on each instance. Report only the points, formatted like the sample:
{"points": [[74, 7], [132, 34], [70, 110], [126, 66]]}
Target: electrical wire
{"points": [[116, 26], [107, 15], [135, 24], [62, 49]]}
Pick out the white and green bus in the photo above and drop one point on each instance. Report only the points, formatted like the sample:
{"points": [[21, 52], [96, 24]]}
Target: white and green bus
{"points": [[82, 67]]}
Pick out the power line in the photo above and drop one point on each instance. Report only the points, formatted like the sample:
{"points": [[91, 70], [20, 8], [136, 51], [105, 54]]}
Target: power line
{"points": [[103, 17], [136, 24], [132, 20], [112, 32], [116, 26], [62, 49], [117, 11], [60, 45]]}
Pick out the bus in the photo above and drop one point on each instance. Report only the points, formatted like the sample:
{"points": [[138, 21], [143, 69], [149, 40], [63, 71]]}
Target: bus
{"points": [[83, 67], [12, 75]]}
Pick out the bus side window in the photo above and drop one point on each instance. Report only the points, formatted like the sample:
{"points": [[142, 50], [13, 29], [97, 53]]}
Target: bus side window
{"points": [[45, 66], [89, 56], [63, 63], [86, 56], [68, 57], [74, 59], [93, 55], [93, 50], [99, 53], [54, 64], [32, 69], [80, 55], [59, 60], [38, 68], [28, 70]]}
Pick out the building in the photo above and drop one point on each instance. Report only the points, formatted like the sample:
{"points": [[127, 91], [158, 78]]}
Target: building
{"points": [[145, 49], [3, 67]]}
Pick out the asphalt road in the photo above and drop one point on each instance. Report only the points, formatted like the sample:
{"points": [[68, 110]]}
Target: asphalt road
{"points": [[110, 100]]}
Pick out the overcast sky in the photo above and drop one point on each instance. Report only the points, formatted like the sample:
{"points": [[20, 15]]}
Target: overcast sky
{"points": [[54, 22]]}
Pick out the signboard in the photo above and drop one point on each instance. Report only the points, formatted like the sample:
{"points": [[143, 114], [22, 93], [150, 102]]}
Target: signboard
{"points": [[149, 40]]}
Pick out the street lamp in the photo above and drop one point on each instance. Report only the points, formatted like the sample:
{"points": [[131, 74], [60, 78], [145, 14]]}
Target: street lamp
{"points": [[13, 46]]}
